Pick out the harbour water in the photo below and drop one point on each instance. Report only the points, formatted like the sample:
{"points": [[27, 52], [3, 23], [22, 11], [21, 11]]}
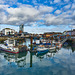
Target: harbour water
{"points": [[55, 62]]}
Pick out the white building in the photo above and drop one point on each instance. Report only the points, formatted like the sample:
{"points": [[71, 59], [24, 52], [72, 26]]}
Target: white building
{"points": [[8, 31], [73, 32]]}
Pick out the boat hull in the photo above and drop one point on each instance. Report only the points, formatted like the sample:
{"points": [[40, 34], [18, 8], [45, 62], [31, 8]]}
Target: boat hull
{"points": [[52, 48], [8, 51], [40, 52]]}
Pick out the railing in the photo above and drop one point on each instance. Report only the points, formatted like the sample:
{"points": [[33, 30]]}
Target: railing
{"points": [[65, 39]]}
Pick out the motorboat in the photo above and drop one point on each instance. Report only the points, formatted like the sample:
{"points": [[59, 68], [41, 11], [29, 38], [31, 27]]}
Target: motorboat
{"points": [[41, 48], [59, 45], [52, 48], [10, 45]]}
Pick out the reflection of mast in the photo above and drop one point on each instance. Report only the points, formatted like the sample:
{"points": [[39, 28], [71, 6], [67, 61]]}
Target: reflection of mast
{"points": [[30, 59]]}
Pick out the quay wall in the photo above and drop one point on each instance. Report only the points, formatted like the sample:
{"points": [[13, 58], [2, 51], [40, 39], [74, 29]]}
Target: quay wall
{"points": [[5, 38]]}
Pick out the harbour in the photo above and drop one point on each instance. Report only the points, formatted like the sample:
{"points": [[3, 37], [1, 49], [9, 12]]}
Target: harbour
{"points": [[52, 53], [54, 62], [37, 37]]}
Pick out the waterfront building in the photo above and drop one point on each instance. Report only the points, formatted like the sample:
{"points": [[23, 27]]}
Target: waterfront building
{"points": [[73, 32], [8, 31], [70, 32], [49, 34], [67, 32], [23, 34]]}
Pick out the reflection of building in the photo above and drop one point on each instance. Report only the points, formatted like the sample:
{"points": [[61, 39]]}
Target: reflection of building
{"points": [[21, 28], [8, 31]]}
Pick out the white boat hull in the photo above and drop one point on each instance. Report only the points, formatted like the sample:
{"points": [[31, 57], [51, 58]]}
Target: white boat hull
{"points": [[52, 48]]}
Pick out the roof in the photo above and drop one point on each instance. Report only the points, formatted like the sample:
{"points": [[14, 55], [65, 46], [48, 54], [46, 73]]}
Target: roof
{"points": [[53, 33], [8, 29]]}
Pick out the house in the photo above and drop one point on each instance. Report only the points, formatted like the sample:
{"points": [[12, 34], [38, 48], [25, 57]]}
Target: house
{"points": [[67, 32], [73, 32], [49, 34], [70, 32], [8, 31]]}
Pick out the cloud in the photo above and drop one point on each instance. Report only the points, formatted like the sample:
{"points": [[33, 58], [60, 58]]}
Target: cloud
{"points": [[29, 14], [22, 14], [66, 0], [10, 2], [52, 20], [63, 19], [25, 13], [58, 11], [67, 6], [3, 17], [73, 6], [34, 2], [57, 1], [45, 9], [3, 7], [1, 1]]}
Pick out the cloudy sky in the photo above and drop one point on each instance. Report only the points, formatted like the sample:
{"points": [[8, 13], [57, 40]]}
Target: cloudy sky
{"points": [[38, 16]]}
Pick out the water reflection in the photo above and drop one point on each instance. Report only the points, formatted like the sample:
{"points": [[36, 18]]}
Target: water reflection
{"points": [[54, 62], [20, 58], [73, 47]]}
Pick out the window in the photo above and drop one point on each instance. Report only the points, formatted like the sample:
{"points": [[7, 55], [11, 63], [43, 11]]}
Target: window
{"points": [[11, 41]]}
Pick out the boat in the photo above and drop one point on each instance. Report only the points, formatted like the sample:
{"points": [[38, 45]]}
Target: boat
{"points": [[52, 48], [59, 45], [42, 42], [10, 45], [41, 53], [42, 49]]}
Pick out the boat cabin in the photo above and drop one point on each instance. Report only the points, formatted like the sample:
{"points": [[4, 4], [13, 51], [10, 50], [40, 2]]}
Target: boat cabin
{"points": [[10, 42]]}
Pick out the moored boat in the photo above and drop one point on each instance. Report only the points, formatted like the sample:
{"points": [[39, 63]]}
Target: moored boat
{"points": [[11, 46], [52, 48], [59, 45], [42, 49]]}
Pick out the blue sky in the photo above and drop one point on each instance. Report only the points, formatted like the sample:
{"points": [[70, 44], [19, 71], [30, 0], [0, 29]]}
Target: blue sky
{"points": [[38, 16]]}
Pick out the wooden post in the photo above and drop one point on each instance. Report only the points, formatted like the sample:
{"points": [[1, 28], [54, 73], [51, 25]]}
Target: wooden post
{"points": [[51, 41], [31, 42]]}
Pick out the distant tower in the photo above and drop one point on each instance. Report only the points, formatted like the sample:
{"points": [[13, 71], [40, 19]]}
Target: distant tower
{"points": [[21, 28]]}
